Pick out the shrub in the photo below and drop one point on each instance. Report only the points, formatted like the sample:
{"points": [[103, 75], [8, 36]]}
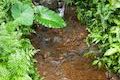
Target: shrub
{"points": [[16, 52], [103, 20]]}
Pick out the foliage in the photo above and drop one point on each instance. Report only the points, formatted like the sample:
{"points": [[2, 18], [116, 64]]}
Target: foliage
{"points": [[16, 52], [69, 2], [15, 55], [103, 20], [24, 14], [48, 18]]}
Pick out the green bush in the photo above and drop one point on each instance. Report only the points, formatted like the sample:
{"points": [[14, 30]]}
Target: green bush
{"points": [[103, 20], [16, 52]]}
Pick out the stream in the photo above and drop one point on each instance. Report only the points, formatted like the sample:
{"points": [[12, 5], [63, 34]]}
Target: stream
{"points": [[60, 55]]}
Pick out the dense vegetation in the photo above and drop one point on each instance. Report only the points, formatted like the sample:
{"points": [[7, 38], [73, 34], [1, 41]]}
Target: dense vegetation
{"points": [[102, 18], [16, 51]]}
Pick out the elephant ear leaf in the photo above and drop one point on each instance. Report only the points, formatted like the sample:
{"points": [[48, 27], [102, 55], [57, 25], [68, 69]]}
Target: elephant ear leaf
{"points": [[23, 14], [48, 18]]}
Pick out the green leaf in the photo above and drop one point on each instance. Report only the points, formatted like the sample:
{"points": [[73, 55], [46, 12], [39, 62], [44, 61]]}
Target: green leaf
{"points": [[22, 13], [117, 21], [111, 51], [95, 62], [95, 1], [115, 3], [25, 77], [48, 18], [99, 64]]}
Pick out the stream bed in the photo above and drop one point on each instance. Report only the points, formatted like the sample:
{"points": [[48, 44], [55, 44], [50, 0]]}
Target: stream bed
{"points": [[61, 52]]}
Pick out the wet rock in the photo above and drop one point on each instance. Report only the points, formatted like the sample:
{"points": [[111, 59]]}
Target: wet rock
{"points": [[44, 40], [61, 58], [52, 4], [56, 5], [83, 51], [36, 2], [57, 39], [70, 56], [55, 63], [47, 54], [108, 75], [47, 40], [114, 77], [61, 10], [92, 50]]}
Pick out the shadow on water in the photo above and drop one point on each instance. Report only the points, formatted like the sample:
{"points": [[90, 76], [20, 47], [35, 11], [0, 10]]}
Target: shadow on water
{"points": [[60, 52]]}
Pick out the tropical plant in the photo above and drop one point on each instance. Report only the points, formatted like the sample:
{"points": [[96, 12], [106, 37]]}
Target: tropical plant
{"points": [[16, 61], [24, 14], [102, 18], [16, 52]]}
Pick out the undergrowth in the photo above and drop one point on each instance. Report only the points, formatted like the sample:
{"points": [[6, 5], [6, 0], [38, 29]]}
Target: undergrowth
{"points": [[16, 51], [102, 18]]}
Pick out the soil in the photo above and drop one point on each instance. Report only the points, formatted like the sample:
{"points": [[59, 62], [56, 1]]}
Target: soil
{"points": [[60, 52]]}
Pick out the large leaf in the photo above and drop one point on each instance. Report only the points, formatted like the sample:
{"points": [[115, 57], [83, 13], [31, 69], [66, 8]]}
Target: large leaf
{"points": [[23, 14], [48, 18]]}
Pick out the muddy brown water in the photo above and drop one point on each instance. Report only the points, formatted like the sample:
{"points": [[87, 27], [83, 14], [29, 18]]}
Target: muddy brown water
{"points": [[60, 52]]}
